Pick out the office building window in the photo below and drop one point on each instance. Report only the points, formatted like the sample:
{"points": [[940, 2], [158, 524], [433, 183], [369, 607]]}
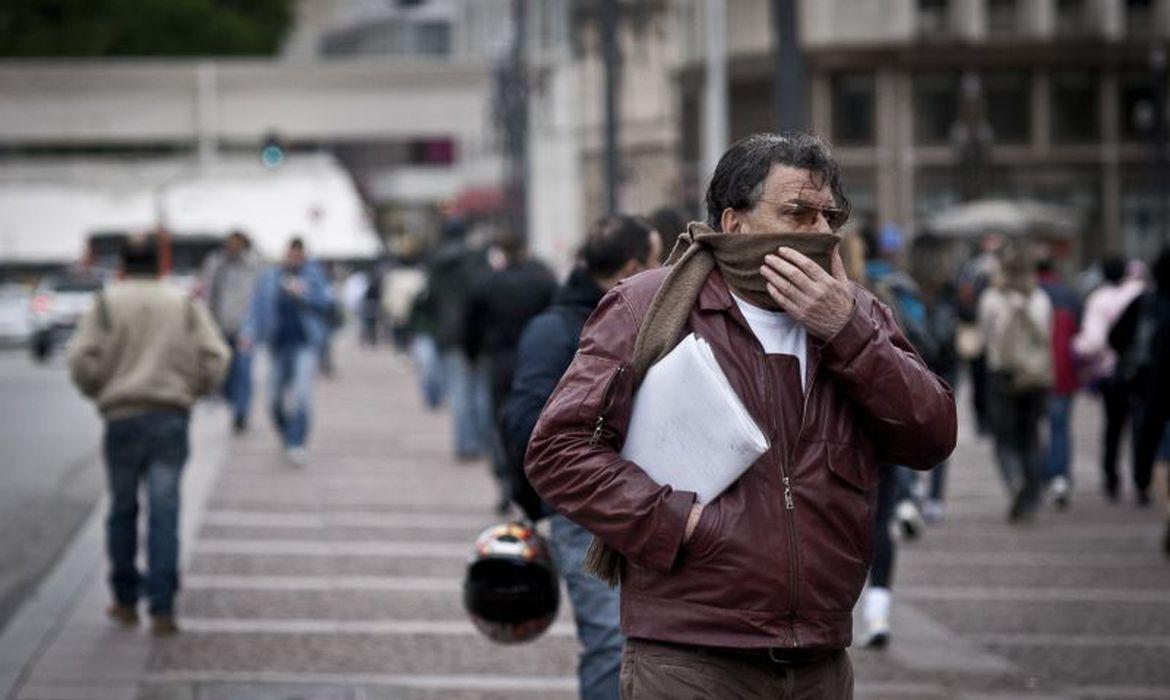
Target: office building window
{"points": [[853, 108], [1009, 105], [932, 18], [936, 106], [1075, 107], [1072, 17], [1138, 113], [1003, 17], [1139, 18]]}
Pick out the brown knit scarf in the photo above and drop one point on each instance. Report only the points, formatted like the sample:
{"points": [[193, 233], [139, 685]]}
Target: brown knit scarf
{"points": [[698, 251]]}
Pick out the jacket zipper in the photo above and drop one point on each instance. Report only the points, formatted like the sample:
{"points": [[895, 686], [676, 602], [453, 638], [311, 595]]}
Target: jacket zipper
{"points": [[795, 446], [789, 504], [606, 404]]}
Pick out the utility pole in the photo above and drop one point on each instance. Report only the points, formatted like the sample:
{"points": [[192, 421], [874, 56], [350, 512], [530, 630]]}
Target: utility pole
{"points": [[611, 59], [715, 99], [791, 87], [515, 103]]}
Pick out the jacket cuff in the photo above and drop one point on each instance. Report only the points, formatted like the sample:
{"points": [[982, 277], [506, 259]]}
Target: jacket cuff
{"points": [[847, 344], [663, 548]]}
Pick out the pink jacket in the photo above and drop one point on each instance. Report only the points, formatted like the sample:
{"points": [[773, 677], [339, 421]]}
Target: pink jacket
{"points": [[1102, 309]]}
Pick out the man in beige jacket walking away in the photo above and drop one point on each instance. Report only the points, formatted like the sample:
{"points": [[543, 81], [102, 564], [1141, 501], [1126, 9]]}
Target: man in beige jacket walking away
{"points": [[144, 353]]}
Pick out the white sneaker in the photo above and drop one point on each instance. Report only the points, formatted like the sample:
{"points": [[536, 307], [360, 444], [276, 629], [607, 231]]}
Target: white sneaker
{"points": [[909, 519], [299, 456], [876, 616], [1061, 491]]}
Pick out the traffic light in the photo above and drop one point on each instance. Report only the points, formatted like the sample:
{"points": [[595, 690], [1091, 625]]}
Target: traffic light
{"points": [[272, 153]]}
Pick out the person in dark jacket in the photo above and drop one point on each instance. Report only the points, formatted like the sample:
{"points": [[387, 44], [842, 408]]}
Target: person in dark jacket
{"points": [[749, 594], [615, 248], [1141, 338], [452, 271], [500, 304]]}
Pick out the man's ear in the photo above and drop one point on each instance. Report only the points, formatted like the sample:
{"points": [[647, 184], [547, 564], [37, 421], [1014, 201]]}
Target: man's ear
{"points": [[730, 221]]}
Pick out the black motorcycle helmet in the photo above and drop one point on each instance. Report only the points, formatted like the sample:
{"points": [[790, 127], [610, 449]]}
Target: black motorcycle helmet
{"points": [[511, 589]]}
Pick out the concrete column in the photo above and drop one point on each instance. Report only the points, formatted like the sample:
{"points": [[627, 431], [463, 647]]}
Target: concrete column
{"points": [[888, 146], [821, 99], [715, 93], [904, 159], [969, 19], [1162, 18], [207, 111], [1109, 16], [1039, 18], [1041, 113], [1111, 169]]}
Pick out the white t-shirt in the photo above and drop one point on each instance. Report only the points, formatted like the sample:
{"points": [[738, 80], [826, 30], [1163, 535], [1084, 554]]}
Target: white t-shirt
{"points": [[778, 333]]}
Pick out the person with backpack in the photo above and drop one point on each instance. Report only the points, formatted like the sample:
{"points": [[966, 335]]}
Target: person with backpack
{"points": [[1141, 338], [1015, 317], [616, 247], [144, 353]]}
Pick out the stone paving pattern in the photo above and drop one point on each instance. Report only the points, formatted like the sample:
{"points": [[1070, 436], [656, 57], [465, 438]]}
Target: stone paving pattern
{"points": [[341, 580]]}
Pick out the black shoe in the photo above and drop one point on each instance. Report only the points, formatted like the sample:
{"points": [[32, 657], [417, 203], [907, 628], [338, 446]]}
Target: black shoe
{"points": [[1143, 499], [1021, 508], [1112, 492], [240, 425]]}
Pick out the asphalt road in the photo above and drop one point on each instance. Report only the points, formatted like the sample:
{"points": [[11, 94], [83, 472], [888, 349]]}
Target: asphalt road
{"points": [[50, 471]]}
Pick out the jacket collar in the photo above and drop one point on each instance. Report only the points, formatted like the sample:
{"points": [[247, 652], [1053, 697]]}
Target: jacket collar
{"points": [[715, 296]]}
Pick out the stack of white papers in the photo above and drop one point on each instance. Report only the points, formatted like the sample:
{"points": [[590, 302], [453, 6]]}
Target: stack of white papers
{"points": [[688, 428]]}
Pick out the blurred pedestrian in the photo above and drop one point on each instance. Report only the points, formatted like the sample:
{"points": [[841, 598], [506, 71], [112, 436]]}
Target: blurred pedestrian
{"points": [[1015, 318], [725, 599], [144, 352], [670, 223], [616, 247], [1066, 316], [974, 277], [452, 271], [371, 305], [1102, 309], [500, 304], [291, 314], [1141, 338], [228, 281]]}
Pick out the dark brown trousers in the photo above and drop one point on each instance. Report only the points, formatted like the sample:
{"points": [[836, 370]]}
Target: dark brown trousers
{"points": [[659, 671]]}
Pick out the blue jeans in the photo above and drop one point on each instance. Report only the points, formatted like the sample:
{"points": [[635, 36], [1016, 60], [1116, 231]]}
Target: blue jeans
{"points": [[1059, 417], [293, 369], [237, 387], [471, 405], [596, 610], [425, 356], [150, 447]]}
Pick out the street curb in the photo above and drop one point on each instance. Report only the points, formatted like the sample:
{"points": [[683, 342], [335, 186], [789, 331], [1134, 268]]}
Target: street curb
{"points": [[38, 621]]}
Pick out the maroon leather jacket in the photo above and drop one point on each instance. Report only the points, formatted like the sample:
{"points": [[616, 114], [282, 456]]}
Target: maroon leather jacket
{"points": [[779, 559]]}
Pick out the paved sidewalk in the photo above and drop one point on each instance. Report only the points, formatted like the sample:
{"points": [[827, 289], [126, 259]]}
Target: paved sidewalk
{"points": [[340, 581]]}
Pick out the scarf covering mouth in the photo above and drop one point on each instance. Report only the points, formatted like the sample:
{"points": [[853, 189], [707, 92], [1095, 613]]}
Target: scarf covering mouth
{"points": [[698, 251]]}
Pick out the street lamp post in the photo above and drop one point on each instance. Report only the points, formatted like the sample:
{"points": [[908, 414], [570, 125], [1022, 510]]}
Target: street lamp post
{"points": [[791, 77], [610, 58]]}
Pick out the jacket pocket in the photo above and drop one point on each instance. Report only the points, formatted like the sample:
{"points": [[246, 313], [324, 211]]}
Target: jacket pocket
{"points": [[595, 398], [706, 535], [850, 464]]}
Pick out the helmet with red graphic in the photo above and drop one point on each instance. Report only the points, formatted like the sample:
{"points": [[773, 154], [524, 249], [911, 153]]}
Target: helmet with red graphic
{"points": [[511, 589]]}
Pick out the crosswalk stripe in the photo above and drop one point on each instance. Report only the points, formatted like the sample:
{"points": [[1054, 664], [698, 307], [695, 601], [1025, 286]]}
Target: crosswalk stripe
{"points": [[360, 548], [441, 628], [1096, 641], [1020, 593], [346, 519], [321, 583]]}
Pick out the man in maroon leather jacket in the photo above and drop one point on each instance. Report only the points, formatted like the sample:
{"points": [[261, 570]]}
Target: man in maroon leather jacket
{"points": [[749, 595]]}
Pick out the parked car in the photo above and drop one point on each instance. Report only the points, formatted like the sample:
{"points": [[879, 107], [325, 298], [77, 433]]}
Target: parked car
{"points": [[15, 316], [55, 308]]}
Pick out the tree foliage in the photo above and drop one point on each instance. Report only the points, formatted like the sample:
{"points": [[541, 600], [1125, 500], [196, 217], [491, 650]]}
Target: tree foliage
{"points": [[142, 27]]}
